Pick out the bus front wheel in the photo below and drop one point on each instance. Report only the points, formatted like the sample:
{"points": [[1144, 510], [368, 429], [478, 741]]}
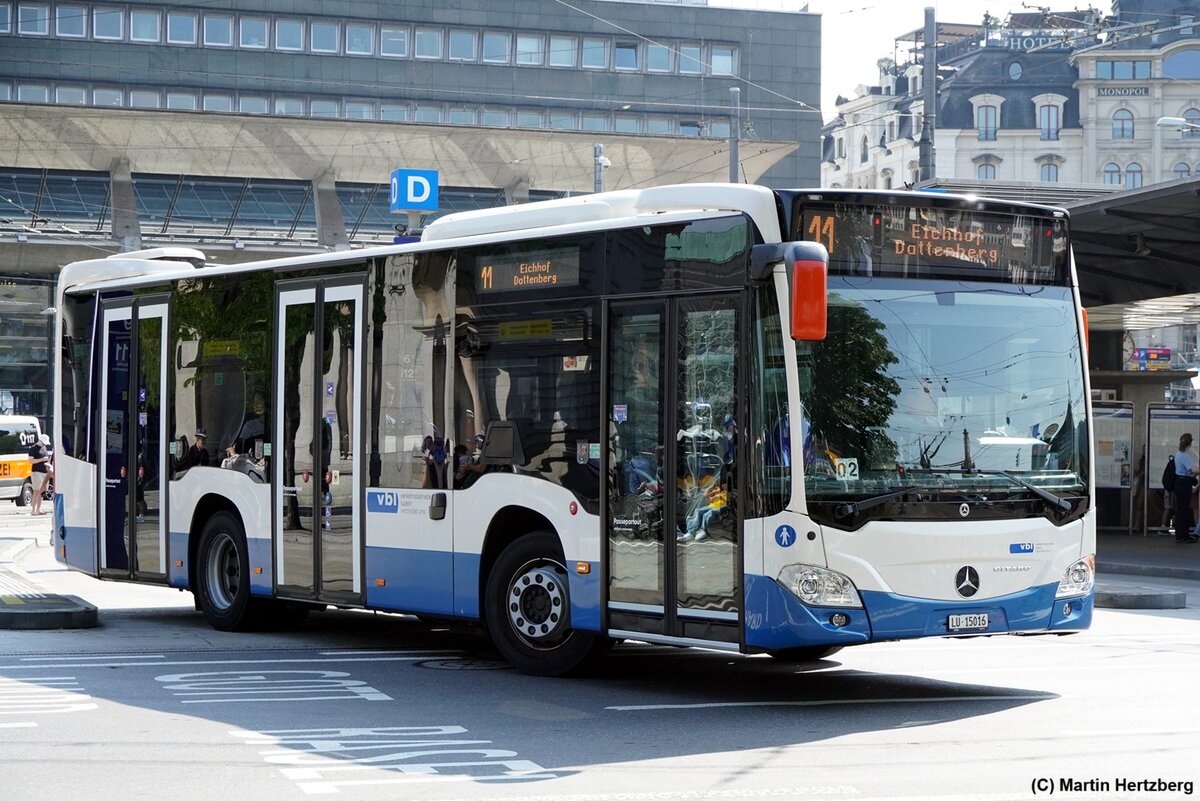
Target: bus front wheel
{"points": [[527, 609], [224, 574]]}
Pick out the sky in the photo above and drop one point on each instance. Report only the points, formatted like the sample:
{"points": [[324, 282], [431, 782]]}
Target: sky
{"points": [[855, 34]]}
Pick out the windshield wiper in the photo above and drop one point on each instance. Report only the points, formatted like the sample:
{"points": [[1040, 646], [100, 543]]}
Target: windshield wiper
{"points": [[854, 507], [1045, 495]]}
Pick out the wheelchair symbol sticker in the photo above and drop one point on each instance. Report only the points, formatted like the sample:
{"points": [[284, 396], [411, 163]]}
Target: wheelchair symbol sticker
{"points": [[785, 536]]}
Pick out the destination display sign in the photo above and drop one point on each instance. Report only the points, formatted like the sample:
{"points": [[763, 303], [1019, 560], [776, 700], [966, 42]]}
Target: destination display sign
{"points": [[551, 268], [926, 242]]}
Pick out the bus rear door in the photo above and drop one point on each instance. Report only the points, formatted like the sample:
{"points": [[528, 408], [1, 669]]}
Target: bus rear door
{"points": [[132, 494]]}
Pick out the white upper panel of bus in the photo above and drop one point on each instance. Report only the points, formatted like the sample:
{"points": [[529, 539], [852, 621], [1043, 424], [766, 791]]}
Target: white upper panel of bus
{"points": [[666, 204]]}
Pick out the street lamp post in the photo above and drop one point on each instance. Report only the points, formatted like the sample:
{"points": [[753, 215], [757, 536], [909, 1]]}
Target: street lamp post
{"points": [[599, 165], [735, 96]]}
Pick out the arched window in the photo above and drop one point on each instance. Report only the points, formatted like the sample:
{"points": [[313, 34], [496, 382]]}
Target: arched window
{"points": [[864, 153], [1050, 173], [987, 116], [1133, 175], [1182, 64], [1112, 174], [885, 178], [1192, 130], [1122, 124], [841, 148], [1048, 121], [1181, 170], [986, 172]]}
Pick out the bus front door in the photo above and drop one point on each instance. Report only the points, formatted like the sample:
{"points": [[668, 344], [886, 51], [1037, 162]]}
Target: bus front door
{"points": [[673, 526], [132, 519], [317, 475]]}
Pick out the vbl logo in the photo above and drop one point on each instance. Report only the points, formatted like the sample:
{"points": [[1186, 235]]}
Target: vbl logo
{"points": [[387, 501], [1021, 547]]}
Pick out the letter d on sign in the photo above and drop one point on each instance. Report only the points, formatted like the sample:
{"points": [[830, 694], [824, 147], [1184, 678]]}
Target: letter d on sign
{"points": [[414, 190]]}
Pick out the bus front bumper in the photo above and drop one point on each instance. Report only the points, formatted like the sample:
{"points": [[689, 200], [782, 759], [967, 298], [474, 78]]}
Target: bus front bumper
{"points": [[780, 621]]}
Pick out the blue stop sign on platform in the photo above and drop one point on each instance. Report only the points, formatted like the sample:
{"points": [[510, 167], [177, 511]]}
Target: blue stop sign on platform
{"points": [[414, 190]]}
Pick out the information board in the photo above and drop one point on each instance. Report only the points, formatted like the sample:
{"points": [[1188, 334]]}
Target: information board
{"points": [[1165, 423], [1113, 427], [530, 270]]}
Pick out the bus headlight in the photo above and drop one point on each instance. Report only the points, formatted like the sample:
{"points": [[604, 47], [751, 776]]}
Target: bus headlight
{"points": [[1078, 578], [817, 586]]}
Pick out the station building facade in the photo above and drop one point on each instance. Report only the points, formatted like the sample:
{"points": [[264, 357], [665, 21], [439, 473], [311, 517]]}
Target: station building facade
{"points": [[249, 131]]}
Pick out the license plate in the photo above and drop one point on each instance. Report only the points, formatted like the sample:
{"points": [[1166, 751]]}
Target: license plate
{"points": [[973, 622]]}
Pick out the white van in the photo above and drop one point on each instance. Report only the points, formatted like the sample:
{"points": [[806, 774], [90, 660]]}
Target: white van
{"points": [[18, 433]]}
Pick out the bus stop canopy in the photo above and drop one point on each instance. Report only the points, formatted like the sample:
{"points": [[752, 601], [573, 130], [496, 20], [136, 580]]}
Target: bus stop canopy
{"points": [[1137, 256]]}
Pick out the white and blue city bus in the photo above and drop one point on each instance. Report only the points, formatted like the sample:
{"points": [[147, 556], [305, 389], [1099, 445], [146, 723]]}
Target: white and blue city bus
{"points": [[648, 414]]}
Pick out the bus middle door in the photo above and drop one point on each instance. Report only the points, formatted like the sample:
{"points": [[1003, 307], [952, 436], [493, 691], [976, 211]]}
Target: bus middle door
{"points": [[673, 527]]}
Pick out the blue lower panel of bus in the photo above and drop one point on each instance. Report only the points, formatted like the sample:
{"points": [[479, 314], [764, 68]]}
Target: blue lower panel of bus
{"points": [[80, 544], [414, 581], [437, 582], [259, 552], [898, 617], [781, 621]]}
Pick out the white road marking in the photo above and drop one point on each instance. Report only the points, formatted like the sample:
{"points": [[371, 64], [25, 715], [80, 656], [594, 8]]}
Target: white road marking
{"points": [[836, 702], [320, 759], [262, 686], [314, 660], [28, 724], [43, 695], [88, 658]]}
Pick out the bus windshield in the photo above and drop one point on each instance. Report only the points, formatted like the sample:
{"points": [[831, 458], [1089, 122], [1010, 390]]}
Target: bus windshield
{"points": [[946, 385]]}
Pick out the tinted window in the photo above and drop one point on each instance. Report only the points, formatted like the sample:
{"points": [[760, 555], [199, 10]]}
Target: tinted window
{"points": [[407, 339], [221, 354], [695, 255]]}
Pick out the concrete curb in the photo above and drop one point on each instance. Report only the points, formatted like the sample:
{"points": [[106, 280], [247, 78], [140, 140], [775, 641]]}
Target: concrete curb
{"points": [[54, 612], [24, 606], [1126, 597], [1156, 571]]}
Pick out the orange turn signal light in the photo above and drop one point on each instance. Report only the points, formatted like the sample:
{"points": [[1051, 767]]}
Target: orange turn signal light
{"points": [[583, 568]]}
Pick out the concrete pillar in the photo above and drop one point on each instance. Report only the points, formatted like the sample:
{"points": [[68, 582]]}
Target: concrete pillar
{"points": [[331, 226], [517, 192], [126, 228]]}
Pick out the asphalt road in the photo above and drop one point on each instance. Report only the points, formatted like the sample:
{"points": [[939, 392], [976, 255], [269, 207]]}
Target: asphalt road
{"points": [[155, 704]]}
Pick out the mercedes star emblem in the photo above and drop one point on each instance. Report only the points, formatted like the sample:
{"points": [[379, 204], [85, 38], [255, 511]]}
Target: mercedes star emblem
{"points": [[964, 510], [967, 581]]}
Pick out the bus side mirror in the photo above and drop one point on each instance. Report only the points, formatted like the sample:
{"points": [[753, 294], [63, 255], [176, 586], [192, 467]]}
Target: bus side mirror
{"points": [[809, 294]]}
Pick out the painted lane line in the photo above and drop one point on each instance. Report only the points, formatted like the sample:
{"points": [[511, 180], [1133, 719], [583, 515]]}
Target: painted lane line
{"points": [[836, 702], [89, 658], [219, 662], [384, 652], [29, 724]]}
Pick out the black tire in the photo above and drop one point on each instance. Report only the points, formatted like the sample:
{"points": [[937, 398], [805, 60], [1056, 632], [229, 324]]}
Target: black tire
{"points": [[527, 609], [25, 497], [223, 575], [809, 653]]}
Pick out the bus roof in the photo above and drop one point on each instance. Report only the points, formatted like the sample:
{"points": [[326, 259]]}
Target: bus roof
{"points": [[581, 214]]}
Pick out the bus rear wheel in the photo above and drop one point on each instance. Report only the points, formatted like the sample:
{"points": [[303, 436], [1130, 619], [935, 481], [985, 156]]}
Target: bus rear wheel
{"points": [[223, 574], [527, 609]]}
